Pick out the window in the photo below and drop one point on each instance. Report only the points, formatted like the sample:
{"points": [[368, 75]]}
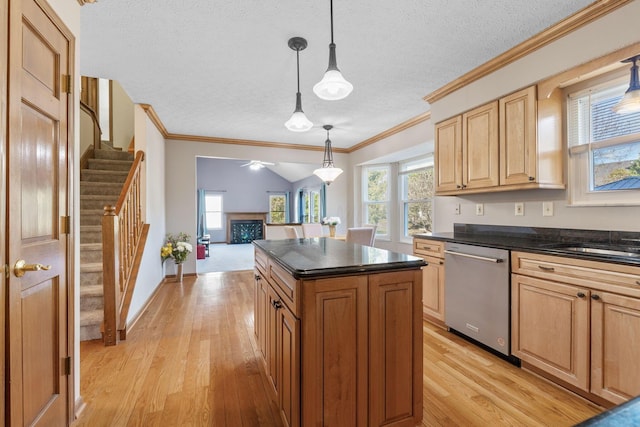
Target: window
{"points": [[604, 147], [105, 108], [278, 208], [416, 182], [376, 198], [213, 210], [310, 205]]}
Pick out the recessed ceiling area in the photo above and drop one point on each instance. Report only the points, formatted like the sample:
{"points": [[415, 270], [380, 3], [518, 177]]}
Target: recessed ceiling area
{"points": [[224, 69]]}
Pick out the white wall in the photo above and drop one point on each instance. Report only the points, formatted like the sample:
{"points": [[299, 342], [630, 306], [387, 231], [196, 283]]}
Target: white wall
{"points": [[151, 141], [609, 33], [180, 180]]}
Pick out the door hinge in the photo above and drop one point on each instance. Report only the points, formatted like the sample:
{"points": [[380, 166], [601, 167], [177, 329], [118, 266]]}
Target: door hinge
{"points": [[66, 83], [67, 365], [65, 224]]}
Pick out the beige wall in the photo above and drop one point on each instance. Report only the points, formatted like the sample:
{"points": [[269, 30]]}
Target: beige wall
{"points": [[123, 116], [609, 33]]}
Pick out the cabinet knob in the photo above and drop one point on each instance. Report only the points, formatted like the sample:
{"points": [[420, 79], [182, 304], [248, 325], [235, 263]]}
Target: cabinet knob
{"points": [[257, 277], [595, 297], [276, 304], [458, 186], [532, 178], [580, 295], [464, 186]]}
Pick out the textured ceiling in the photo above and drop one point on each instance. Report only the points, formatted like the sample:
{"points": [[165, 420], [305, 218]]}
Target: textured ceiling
{"points": [[223, 68]]}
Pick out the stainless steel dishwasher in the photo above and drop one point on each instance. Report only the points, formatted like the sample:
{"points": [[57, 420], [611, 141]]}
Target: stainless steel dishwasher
{"points": [[477, 302]]}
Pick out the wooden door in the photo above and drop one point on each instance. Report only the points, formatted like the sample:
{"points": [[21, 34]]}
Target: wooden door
{"points": [[615, 348], [518, 152], [448, 155], [38, 302], [480, 147], [550, 328]]}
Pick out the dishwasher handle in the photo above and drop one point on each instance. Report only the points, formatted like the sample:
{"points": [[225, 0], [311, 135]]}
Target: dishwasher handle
{"points": [[478, 257]]}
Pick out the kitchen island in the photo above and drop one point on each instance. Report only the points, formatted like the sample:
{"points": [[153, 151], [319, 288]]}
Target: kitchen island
{"points": [[339, 327]]}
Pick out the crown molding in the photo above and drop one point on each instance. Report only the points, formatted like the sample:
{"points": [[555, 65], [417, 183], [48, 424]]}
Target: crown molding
{"points": [[392, 131], [564, 27], [153, 116]]}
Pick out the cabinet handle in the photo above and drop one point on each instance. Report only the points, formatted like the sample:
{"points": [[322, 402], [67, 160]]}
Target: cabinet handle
{"points": [[458, 186], [532, 178], [441, 262], [581, 295], [595, 297], [257, 277], [637, 282], [464, 186], [276, 304], [543, 268]]}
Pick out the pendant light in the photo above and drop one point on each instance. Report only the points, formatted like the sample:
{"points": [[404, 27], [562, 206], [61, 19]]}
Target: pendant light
{"points": [[298, 121], [328, 173], [332, 86], [630, 102]]}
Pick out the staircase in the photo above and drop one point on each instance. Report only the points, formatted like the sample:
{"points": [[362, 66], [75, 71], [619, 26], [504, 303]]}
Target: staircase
{"points": [[100, 185]]}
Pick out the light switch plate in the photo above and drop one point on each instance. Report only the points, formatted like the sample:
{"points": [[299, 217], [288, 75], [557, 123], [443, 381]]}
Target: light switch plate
{"points": [[479, 209], [519, 209], [547, 208]]}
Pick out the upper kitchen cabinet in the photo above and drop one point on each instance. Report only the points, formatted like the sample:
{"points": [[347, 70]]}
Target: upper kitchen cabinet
{"points": [[513, 143], [448, 155]]}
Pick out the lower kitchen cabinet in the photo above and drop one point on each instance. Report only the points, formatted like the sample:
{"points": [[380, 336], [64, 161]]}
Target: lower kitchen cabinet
{"points": [[343, 351], [578, 321]]}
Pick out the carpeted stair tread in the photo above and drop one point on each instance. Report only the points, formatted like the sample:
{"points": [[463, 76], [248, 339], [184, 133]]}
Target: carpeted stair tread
{"points": [[91, 317], [109, 164], [90, 247], [90, 267], [113, 155], [91, 291]]}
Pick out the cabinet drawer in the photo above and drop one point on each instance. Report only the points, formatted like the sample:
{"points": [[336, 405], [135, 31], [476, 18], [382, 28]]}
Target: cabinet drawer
{"points": [[261, 261], [428, 248], [287, 286], [618, 278]]}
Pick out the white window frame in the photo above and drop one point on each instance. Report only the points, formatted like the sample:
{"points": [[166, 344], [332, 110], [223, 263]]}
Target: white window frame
{"points": [[404, 169], [580, 158], [207, 211], [386, 202]]}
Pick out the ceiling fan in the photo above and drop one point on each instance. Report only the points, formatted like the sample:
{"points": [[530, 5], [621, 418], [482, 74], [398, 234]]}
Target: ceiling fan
{"points": [[257, 164]]}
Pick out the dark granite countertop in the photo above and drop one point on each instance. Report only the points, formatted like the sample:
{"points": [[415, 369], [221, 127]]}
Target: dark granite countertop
{"points": [[323, 256], [551, 241], [624, 415]]}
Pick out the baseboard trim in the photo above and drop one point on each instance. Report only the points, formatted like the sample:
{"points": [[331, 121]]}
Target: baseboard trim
{"points": [[129, 326], [78, 407]]}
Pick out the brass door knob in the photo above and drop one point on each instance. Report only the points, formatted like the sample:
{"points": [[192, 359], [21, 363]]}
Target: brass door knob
{"points": [[22, 267]]}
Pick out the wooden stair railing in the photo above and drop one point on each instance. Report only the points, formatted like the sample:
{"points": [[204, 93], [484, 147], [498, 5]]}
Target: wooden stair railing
{"points": [[97, 132], [123, 238]]}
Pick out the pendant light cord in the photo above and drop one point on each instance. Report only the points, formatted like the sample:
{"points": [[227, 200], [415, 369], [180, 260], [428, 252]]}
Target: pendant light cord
{"points": [[298, 66], [331, 12]]}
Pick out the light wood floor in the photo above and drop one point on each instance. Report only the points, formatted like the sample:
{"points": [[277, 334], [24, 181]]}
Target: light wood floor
{"points": [[192, 360]]}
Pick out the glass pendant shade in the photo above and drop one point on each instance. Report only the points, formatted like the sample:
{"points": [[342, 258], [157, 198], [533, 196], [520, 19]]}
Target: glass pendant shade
{"points": [[298, 121], [630, 102], [327, 173], [333, 85]]}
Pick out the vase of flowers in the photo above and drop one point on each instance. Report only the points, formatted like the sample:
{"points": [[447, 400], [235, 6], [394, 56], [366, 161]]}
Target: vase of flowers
{"points": [[176, 247], [331, 221]]}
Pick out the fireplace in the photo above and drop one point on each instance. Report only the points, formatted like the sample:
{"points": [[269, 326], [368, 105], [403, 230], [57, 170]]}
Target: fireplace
{"points": [[245, 231], [245, 227]]}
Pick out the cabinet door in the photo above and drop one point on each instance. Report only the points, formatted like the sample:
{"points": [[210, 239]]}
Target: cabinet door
{"points": [[615, 347], [273, 299], [448, 152], [288, 356], [480, 147], [260, 313], [550, 328], [334, 352], [518, 139], [433, 288], [395, 349]]}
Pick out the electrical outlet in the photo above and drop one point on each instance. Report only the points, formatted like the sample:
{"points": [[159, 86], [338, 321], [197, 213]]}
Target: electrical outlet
{"points": [[519, 209], [479, 209], [547, 208], [456, 209]]}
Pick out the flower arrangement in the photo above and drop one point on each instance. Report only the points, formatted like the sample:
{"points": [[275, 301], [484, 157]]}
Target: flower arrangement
{"points": [[331, 220], [176, 247]]}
